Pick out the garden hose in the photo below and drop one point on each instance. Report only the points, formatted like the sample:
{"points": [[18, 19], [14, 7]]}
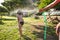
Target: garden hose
{"points": [[45, 28]]}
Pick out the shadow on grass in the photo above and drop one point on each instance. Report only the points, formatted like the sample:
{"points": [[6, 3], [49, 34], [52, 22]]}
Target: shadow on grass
{"points": [[26, 38], [6, 19], [39, 27], [1, 23], [51, 35], [38, 34]]}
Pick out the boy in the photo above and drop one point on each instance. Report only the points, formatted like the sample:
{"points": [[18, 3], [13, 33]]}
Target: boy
{"points": [[20, 21]]}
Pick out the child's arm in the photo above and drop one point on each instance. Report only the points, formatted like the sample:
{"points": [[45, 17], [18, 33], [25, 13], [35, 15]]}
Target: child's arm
{"points": [[18, 17], [57, 28], [49, 6]]}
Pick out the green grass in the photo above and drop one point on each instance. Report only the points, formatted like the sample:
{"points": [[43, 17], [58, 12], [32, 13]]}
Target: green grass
{"points": [[9, 29]]}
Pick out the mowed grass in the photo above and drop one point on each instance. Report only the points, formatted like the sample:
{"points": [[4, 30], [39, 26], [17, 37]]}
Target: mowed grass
{"points": [[9, 28]]}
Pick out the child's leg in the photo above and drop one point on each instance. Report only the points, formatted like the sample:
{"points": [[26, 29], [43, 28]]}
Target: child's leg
{"points": [[20, 30], [20, 27], [59, 35]]}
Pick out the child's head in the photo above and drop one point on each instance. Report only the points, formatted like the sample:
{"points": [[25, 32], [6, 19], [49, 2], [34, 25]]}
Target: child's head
{"points": [[19, 13]]}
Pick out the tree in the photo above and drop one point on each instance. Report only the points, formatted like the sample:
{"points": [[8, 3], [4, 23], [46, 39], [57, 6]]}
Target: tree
{"points": [[2, 11], [44, 3], [14, 4], [57, 7], [9, 5]]}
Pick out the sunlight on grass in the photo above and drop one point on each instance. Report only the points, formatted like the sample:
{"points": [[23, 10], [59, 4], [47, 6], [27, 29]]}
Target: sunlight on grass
{"points": [[9, 30], [9, 17], [33, 21]]}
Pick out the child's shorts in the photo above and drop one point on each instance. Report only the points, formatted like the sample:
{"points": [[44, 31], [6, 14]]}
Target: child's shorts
{"points": [[22, 23]]}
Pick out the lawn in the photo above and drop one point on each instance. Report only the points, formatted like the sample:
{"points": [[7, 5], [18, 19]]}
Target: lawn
{"points": [[9, 29]]}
